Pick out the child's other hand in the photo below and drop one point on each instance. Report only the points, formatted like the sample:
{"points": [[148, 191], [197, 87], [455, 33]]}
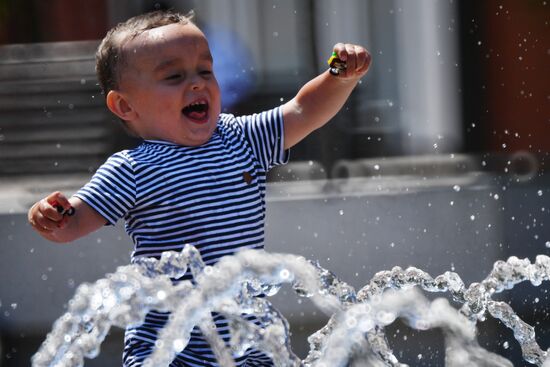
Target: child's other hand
{"points": [[46, 216], [357, 60]]}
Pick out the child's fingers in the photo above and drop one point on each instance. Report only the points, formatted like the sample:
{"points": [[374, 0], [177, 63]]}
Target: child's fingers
{"points": [[50, 210], [47, 215], [351, 61], [363, 60], [356, 58], [59, 202], [42, 223], [340, 50]]}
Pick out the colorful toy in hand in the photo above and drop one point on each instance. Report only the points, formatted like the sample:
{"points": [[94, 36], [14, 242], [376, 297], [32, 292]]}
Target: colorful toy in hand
{"points": [[336, 65], [70, 212]]}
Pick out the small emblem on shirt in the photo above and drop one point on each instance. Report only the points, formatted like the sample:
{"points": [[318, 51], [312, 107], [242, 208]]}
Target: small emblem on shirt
{"points": [[247, 176]]}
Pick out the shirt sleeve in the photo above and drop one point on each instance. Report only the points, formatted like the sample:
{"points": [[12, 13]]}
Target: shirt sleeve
{"points": [[112, 190], [265, 133]]}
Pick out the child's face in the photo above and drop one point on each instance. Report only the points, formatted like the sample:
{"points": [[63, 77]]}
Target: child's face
{"points": [[168, 81]]}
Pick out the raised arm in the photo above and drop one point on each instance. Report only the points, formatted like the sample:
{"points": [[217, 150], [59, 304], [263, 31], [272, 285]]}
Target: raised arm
{"points": [[50, 218], [322, 97]]}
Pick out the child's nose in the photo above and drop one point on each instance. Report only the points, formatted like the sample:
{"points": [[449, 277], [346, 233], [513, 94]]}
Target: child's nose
{"points": [[197, 82]]}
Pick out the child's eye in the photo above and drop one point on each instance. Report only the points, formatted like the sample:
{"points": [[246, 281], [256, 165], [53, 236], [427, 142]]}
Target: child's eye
{"points": [[173, 77], [206, 72]]}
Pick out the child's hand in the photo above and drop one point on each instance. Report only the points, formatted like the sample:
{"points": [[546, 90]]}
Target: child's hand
{"points": [[356, 58], [47, 215]]}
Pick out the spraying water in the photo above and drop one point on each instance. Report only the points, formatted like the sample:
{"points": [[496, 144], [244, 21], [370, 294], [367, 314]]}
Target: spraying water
{"points": [[354, 334]]}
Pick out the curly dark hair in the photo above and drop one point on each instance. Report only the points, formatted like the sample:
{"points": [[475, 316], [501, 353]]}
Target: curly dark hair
{"points": [[109, 58]]}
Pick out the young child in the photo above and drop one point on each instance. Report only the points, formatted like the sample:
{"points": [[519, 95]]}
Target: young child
{"points": [[199, 177]]}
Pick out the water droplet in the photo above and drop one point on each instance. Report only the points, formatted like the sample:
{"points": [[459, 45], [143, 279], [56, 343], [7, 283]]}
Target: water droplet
{"points": [[547, 244], [472, 217], [539, 193], [456, 188], [178, 345], [351, 321], [341, 212], [13, 306], [505, 345], [284, 274], [376, 167]]}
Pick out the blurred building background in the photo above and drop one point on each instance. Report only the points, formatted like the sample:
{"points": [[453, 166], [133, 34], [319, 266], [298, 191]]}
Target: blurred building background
{"points": [[438, 160]]}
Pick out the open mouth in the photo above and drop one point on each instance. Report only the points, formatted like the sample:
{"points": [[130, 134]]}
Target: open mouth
{"points": [[197, 111]]}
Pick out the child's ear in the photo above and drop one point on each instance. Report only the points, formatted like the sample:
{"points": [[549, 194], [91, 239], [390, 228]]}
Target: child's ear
{"points": [[119, 105]]}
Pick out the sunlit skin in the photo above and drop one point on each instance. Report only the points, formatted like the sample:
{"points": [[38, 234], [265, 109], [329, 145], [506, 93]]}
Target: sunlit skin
{"points": [[165, 70]]}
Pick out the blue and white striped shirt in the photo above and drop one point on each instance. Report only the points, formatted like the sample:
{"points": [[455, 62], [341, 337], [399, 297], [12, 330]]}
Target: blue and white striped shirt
{"points": [[211, 196]]}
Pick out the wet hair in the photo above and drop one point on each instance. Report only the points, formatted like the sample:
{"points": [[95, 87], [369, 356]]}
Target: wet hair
{"points": [[109, 56]]}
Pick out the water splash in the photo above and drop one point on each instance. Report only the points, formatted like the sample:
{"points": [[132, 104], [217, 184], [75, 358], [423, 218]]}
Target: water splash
{"points": [[354, 334]]}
